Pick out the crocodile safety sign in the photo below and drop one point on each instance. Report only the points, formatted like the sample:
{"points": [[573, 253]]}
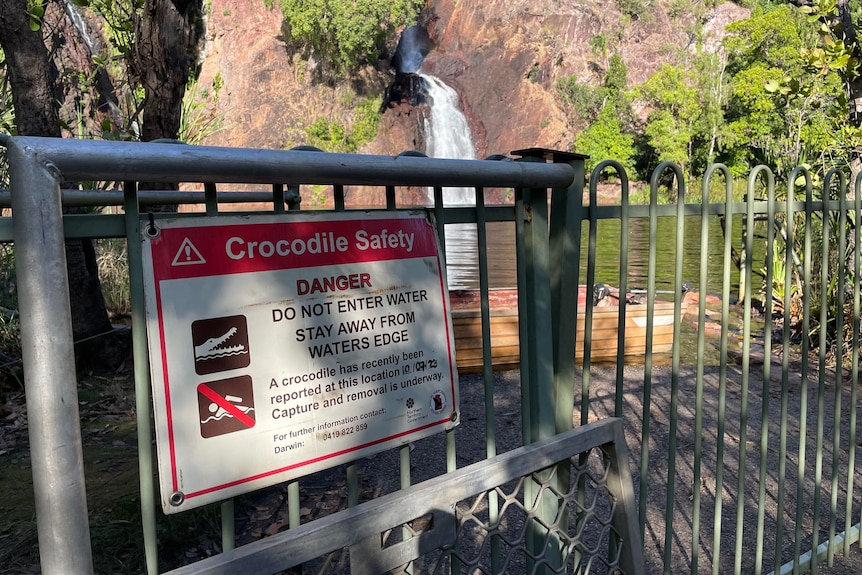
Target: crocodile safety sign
{"points": [[283, 345]]}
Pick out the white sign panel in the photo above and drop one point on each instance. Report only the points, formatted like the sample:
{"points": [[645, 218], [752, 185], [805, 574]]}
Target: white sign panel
{"points": [[282, 345]]}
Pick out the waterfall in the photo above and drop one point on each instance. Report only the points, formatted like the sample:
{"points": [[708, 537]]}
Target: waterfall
{"points": [[447, 133], [80, 24]]}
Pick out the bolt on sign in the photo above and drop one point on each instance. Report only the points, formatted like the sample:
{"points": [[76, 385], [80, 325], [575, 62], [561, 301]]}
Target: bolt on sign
{"points": [[283, 345]]}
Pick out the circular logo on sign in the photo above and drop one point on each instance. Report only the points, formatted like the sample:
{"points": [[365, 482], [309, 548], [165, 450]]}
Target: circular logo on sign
{"points": [[438, 401]]}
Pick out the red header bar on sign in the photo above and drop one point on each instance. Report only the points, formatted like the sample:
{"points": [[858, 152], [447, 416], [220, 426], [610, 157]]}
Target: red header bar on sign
{"points": [[188, 252]]}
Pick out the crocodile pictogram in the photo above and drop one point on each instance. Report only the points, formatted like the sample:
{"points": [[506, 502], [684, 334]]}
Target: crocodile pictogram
{"points": [[211, 348]]}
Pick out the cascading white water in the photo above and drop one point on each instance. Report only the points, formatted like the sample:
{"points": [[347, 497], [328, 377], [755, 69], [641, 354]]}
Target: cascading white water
{"points": [[81, 26], [447, 133]]}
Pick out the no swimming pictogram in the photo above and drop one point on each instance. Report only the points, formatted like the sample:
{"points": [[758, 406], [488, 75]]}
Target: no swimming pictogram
{"points": [[225, 406]]}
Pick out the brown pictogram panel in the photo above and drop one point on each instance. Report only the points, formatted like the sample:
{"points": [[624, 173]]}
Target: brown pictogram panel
{"points": [[220, 344], [226, 405]]}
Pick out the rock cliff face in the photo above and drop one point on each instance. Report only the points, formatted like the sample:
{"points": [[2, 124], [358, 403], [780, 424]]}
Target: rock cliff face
{"points": [[503, 57]]}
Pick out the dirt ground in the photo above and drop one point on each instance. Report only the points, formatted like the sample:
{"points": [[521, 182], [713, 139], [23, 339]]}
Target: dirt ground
{"points": [[110, 457]]}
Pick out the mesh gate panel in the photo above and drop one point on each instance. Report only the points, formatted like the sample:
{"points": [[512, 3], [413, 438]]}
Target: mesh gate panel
{"points": [[561, 505]]}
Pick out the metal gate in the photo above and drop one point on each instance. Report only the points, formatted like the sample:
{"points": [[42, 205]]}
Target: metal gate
{"points": [[745, 449]]}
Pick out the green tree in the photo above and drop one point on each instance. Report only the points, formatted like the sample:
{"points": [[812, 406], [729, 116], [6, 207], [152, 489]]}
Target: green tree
{"points": [[712, 88], [840, 53], [779, 112], [343, 34], [672, 97], [605, 139]]}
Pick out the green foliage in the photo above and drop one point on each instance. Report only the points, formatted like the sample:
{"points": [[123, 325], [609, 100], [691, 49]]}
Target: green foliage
{"points": [[200, 117], [332, 136], [7, 119], [589, 101], [584, 99], [616, 78], [326, 135], [119, 19], [10, 325], [672, 96], [344, 34], [36, 11], [365, 121], [787, 99], [636, 8], [599, 45], [605, 139]]}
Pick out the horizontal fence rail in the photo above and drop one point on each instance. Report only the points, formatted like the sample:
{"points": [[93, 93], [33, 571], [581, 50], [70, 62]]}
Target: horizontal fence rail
{"points": [[734, 336]]}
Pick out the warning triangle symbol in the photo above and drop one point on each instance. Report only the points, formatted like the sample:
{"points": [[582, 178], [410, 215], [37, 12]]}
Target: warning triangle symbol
{"points": [[188, 255]]}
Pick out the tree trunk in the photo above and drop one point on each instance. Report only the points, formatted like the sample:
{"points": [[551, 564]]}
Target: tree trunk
{"points": [[167, 34], [33, 83], [29, 74]]}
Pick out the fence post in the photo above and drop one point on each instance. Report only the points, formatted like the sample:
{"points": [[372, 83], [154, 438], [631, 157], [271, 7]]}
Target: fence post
{"points": [[47, 347], [564, 271], [540, 284]]}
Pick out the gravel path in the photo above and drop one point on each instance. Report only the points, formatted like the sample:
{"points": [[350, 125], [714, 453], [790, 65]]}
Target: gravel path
{"points": [[671, 446]]}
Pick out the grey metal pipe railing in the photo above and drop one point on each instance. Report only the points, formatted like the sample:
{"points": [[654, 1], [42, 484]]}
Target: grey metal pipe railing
{"points": [[49, 362], [160, 162], [104, 198]]}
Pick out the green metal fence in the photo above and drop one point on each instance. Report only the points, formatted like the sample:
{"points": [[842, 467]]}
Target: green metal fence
{"points": [[742, 431]]}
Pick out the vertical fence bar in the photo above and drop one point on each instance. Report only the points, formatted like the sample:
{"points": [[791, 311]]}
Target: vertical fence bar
{"points": [[839, 363], [721, 433], [487, 371], [701, 343], [647, 389], [140, 358], [228, 526], [624, 289], [586, 360], [211, 199], [787, 304], [440, 219], [675, 359], [803, 392], [338, 198], [278, 198], [767, 370], [49, 361], [854, 367], [746, 367], [789, 239], [294, 202], [293, 198], [535, 296], [821, 371], [703, 279], [565, 257]]}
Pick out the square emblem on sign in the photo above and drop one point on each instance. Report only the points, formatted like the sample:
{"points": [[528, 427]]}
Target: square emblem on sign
{"points": [[226, 406], [220, 344]]}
